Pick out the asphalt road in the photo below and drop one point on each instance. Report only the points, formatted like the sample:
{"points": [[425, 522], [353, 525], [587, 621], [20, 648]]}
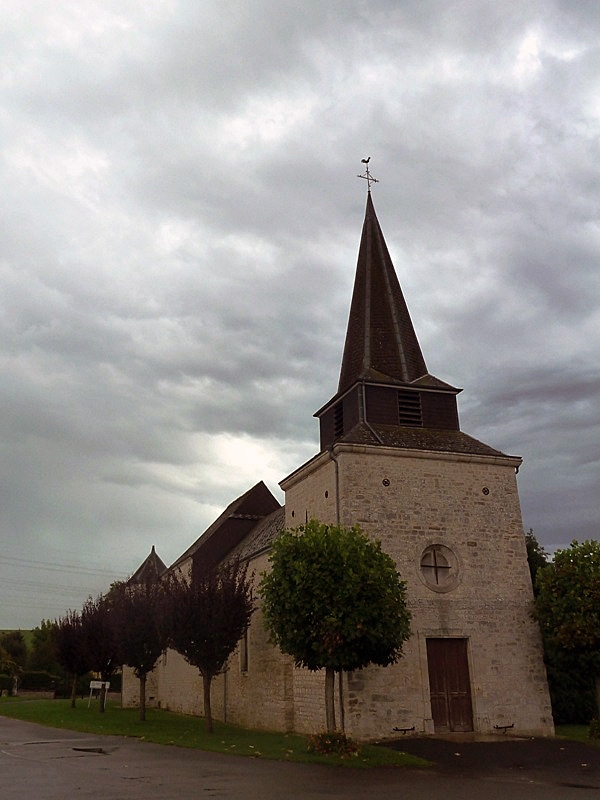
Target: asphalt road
{"points": [[40, 763]]}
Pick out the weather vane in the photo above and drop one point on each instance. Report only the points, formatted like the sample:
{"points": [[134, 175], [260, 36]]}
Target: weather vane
{"points": [[367, 176]]}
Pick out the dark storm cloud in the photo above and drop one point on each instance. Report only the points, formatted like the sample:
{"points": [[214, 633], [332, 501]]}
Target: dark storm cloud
{"points": [[179, 229]]}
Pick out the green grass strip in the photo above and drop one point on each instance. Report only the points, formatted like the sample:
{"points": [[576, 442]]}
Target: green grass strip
{"points": [[168, 728], [579, 733]]}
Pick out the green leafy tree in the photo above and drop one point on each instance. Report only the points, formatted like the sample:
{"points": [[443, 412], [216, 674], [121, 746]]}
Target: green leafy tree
{"points": [[42, 655], [9, 667], [140, 628], [71, 648], [13, 643], [208, 615], [334, 600], [14, 648], [567, 606]]}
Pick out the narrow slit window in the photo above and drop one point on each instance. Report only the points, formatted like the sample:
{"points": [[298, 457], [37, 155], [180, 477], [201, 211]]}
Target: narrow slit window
{"points": [[244, 652]]}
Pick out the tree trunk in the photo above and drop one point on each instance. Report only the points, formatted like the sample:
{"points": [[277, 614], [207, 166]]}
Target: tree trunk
{"points": [[208, 721], [341, 693], [143, 697], [102, 698], [74, 691], [597, 679], [329, 699]]}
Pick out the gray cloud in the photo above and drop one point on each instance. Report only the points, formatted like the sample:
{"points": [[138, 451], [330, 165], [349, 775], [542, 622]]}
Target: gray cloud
{"points": [[179, 230]]}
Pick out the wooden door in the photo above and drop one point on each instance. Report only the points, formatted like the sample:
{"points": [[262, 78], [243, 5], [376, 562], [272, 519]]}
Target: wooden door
{"points": [[449, 685]]}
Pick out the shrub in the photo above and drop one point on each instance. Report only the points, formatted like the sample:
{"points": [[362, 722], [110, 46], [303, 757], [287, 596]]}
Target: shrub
{"points": [[38, 681], [572, 689], [65, 686], [333, 742]]}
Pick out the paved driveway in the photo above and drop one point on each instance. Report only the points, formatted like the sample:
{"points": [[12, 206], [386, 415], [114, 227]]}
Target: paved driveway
{"points": [[47, 764]]}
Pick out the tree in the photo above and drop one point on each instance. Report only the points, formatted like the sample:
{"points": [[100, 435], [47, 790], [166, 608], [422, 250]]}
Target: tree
{"points": [[71, 648], [98, 622], [333, 600], [42, 655], [8, 666], [536, 556], [13, 642], [567, 605], [139, 624], [208, 615], [14, 648]]}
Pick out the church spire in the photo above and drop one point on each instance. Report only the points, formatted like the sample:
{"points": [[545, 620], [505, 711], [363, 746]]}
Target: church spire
{"points": [[381, 343], [384, 389]]}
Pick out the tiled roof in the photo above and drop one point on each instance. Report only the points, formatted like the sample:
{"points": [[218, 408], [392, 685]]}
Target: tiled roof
{"points": [[380, 338], [262, 535], [415, 438], [149, 570], [232, 526]]}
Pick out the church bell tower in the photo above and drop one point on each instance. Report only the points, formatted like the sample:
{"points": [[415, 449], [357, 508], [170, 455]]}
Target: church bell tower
{"points": [[445, 506]]}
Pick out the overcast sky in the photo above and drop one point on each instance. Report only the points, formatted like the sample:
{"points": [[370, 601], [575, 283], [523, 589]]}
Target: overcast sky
{"points": [[180, 219]]}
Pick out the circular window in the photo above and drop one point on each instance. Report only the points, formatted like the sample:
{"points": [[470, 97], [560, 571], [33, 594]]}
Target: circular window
{"points": [[439, 568]]}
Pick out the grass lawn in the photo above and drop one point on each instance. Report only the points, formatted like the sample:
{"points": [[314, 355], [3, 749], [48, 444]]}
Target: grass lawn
{"points": [[165, 727], [581, 733]]}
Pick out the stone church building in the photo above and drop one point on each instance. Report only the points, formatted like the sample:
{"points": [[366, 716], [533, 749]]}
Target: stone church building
{"points": [[445, 506]]}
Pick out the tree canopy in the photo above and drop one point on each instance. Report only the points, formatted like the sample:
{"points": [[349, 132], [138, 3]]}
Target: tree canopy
{"points": [[71, 650], [43, 648], [567, 604], [100, 640], [138, 611], [208, 616], [14, 645], [334, 600]]}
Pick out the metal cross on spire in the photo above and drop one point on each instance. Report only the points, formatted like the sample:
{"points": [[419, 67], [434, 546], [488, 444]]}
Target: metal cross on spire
{"points": [[367, 176]]}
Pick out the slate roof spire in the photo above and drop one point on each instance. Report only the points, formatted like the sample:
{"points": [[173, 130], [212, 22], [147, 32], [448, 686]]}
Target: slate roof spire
{"points": [[381, 343], [149, 570], [385, 394]]}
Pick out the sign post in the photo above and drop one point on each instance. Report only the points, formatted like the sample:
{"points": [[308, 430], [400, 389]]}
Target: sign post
{"points": [[100, 686]]}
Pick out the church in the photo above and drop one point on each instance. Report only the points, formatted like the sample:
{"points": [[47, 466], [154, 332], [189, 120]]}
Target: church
{"points": [[444, 505]]}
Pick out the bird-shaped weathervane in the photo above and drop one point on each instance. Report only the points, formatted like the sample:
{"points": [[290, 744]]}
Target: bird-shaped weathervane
{"points": [[367, 176]]}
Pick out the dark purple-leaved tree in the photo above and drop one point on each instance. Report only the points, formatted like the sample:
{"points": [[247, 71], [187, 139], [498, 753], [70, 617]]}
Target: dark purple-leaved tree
{"points": [[70, 648], [140, 628], [208, 615], [100, 640]]}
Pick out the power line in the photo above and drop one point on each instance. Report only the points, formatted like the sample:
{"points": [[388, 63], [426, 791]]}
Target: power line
{"points": [[42, 587], [54, 567]]}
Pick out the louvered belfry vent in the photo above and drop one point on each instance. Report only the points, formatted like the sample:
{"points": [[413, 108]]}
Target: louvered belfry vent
{"points": [[409, 409]]}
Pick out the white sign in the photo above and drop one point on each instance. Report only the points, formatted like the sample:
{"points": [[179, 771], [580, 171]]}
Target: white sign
{"points": [[97, 685]]}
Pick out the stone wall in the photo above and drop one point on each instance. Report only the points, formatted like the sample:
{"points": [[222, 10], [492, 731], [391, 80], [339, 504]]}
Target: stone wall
{"points": [[130, 691], [410, 500]]}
